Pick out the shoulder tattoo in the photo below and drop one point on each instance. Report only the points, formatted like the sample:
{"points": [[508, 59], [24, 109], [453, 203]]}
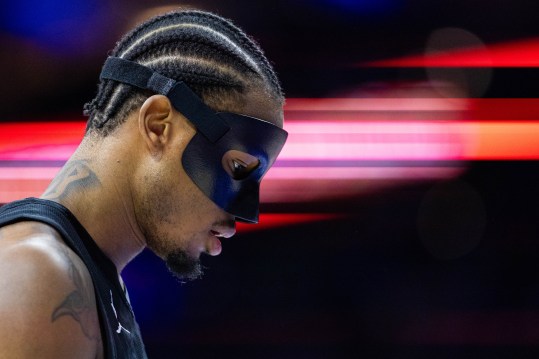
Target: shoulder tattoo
{"points": [[73, 176], [79, 304]]}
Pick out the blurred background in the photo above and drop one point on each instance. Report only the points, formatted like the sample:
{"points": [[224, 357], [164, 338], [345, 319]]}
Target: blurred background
{"points": [[401, 220]]}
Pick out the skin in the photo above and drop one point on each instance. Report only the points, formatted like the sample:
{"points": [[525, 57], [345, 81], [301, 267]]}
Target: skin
{"points": [[130, 192]]}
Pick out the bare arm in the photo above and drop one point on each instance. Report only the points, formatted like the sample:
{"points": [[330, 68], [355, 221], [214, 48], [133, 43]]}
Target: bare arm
{"points": [[47, 302]]}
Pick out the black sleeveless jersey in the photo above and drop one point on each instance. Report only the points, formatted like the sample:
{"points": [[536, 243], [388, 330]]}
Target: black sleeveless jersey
{"points": [[119, 329]]}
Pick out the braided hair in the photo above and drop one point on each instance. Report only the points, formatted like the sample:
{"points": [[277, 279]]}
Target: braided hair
{"points": [[216, 59]]}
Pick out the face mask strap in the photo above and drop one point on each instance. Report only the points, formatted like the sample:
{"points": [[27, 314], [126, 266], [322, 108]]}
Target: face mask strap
{"points": [[207, 122]]}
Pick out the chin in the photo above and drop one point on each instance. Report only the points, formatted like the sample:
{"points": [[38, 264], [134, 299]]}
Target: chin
{"points": [[184, 266]]}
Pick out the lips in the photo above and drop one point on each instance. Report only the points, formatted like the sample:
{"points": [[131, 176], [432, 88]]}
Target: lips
{"points": [[222, 229], [214, 246]]}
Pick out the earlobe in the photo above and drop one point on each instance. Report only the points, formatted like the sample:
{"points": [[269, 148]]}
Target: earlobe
{"points": [[154, 122]]}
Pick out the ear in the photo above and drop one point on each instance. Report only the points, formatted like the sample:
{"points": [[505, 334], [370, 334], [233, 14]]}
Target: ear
{"points": [[155, 123]]}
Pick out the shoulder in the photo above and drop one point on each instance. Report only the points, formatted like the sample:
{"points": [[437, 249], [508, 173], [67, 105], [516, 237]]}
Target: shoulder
{"points": [[32, 250], [47, 302]]}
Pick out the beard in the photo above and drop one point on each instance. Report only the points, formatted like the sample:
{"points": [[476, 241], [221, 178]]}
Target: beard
{"points": [[183, 266], [150, 213], [179, 262]]}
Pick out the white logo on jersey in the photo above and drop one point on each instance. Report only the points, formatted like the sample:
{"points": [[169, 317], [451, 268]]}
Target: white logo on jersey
{"points": [[120, 327]]}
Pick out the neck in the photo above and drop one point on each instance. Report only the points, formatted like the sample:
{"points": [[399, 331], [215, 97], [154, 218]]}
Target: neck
{"points": [[97, 192]]}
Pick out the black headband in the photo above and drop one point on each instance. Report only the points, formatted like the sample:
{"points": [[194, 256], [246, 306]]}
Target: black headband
{"points": [[181, 96]]}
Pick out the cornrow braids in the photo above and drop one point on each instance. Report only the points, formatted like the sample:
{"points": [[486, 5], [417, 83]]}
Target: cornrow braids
{"points": [[216, 59]]}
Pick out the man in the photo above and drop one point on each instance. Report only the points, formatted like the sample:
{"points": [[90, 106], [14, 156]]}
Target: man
{"points": [[157, 168]]}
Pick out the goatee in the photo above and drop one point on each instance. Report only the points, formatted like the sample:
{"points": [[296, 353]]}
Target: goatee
{"points": [[183, 266]]}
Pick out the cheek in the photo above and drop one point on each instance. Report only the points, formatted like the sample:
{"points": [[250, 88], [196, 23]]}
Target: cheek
{"points": [[155, 206], [193, 211], [180, 209], [172, 211]]}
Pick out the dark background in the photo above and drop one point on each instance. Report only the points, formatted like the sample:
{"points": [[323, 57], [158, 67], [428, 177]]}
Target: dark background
{"points": [[52, 51], [444, 269]]}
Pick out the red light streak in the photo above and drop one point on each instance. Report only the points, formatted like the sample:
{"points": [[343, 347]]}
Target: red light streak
{"points": [[276, 220], [374, 104], [522, 53], [382, 142]]}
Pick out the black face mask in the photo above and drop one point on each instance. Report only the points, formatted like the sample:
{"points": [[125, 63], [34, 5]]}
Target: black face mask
{"points": [[211, 158]]}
